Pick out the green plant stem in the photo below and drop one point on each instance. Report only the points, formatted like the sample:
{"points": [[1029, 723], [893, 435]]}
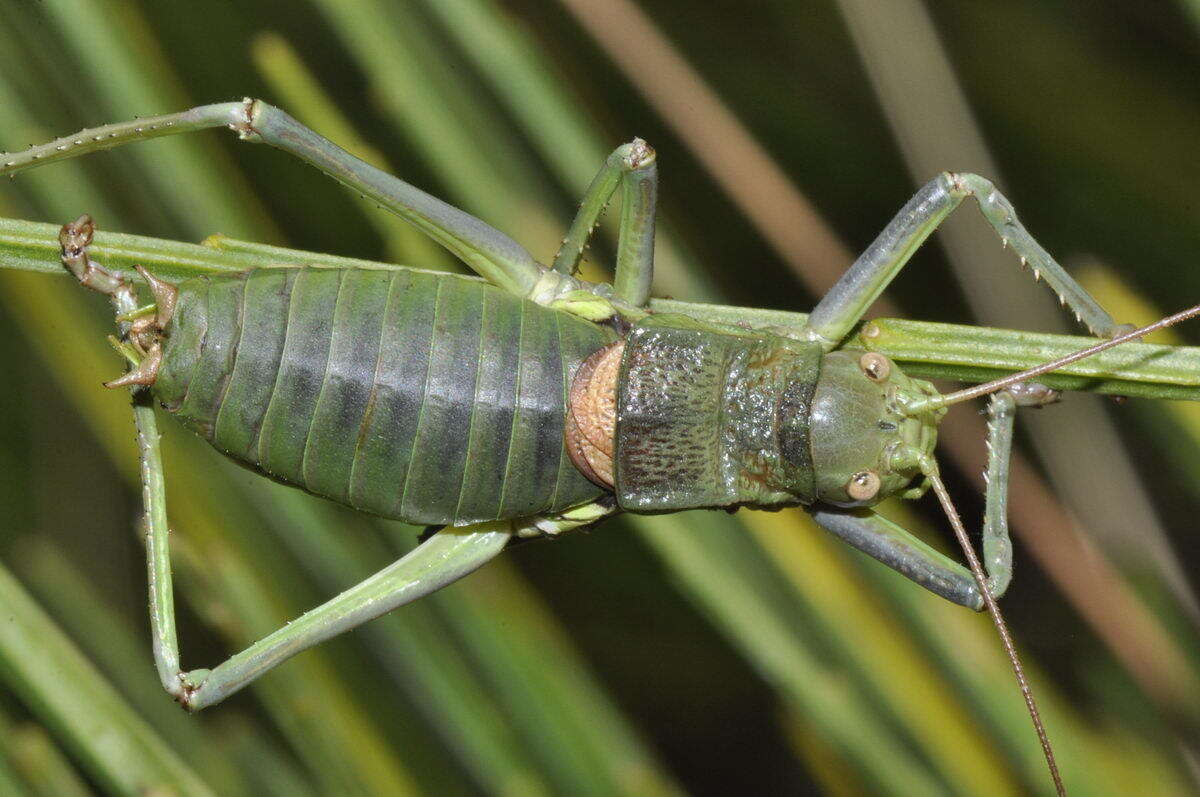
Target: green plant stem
{"points": [[115, 746], [925, 349]]}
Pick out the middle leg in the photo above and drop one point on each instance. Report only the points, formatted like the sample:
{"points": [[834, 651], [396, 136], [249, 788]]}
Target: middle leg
{"points": [[633, 167]]}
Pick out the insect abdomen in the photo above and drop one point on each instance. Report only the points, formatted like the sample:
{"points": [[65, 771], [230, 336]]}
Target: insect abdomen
{"points": [[423, 397]]}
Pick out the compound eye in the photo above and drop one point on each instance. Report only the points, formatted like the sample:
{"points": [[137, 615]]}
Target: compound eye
{"points": [[876, 367], [864, 485]]}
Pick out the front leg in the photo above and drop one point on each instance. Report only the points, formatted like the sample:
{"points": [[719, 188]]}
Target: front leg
{"points": [[840, 309], [997, 545], [900, 550]]}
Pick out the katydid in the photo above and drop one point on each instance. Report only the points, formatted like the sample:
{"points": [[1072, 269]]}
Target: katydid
{"points": [[537, 402]]}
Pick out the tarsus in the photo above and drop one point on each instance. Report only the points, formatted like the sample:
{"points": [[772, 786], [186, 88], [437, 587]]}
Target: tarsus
{"points": [[1030, 373]]}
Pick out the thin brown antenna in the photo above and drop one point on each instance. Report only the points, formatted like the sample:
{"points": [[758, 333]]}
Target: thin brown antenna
{"points": [[929, 466], [999, 384]]}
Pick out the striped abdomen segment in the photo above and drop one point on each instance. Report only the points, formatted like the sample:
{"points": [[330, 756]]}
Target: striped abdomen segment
{"points": [[424, 397]]}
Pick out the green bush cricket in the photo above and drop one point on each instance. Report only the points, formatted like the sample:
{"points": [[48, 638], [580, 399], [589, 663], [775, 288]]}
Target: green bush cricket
{"points": [[536, 402]]}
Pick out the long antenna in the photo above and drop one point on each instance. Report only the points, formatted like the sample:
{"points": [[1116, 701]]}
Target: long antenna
{"points": [[999, 384], [929, 466], [930, 469]]}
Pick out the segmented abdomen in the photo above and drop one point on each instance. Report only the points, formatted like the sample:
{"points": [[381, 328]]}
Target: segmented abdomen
{"points": [[424, 397]]}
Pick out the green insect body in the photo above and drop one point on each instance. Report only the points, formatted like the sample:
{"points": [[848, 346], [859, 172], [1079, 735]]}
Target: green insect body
{"points": [[423, 397], [534, 402], [440, 400]]}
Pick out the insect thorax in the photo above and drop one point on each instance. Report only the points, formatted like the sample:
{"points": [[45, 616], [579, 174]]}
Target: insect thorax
{"points": [[698, 417], [711, 416]]}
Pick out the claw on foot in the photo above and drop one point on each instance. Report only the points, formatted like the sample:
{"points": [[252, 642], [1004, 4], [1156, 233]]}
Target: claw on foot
{"points": [[144, 333], [165, 296], [1033, 394], [74, 239], [1121, 329], [144, 374]]}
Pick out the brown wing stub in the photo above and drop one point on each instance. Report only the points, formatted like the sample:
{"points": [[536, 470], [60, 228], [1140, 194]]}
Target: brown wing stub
{"points": [[592, 416]]}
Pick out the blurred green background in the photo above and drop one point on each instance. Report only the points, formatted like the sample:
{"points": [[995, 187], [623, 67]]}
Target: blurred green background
{"points": [[701, 653]]}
